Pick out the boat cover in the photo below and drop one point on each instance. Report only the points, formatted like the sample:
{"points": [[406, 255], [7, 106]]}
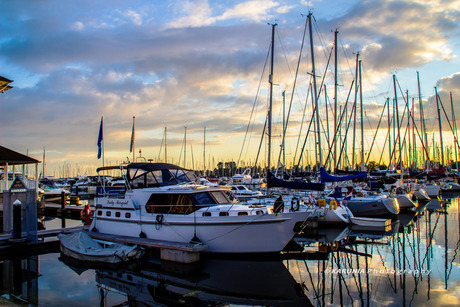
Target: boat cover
{"points": [[325, 177], [273, 182], [80, 246]]}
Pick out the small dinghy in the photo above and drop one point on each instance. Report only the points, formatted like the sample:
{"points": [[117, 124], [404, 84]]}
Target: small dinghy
{"points": [[80, 246], [370, 222]]}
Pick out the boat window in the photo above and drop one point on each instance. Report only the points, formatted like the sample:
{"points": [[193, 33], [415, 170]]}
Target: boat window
{"points": [[117, 214], [128, 215], [138, 183], [151, 181], [158, 176], [203, 198], [180, 176], [206, 213], [223, 213], [99, 212], [219, 196], [233, 199], [170, 204], [242, 213], [108, 213], [241, 188]]}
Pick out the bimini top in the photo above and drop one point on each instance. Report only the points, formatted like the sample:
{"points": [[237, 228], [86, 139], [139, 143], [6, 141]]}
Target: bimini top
{"points": [[146, 175]]}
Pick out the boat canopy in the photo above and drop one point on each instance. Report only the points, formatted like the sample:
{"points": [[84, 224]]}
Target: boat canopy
{"points": [[325, 177], [145, 175], [273, 182]]}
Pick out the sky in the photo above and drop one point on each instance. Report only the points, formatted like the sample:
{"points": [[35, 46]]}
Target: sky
{"points": [[199, 70]]}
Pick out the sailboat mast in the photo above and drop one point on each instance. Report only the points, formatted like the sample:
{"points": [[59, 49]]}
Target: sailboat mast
{"points": [[315, 91], [362, 116], [185, 147], [440, 126], [422, 122], [397, 120], [270, 80], [455, 130], [166, 146], [389, 133], [354, 112], [204, 151], [335, 97]]}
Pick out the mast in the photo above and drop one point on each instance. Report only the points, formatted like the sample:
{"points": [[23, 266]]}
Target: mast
{"points": [[166, 146], [397, 121], [185, 147], [354, 114], [204, 152], [315, 91], [389, 133], [362, 117], [422, 122], [284, 129], [440, 126], [455, 130], [335, 96], [270, 80]]}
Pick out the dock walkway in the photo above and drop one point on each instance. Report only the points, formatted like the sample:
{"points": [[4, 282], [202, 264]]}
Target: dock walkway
{"points": [[171, 251]]}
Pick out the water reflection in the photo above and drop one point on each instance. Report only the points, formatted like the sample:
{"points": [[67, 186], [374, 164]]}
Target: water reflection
{"points": [[214, 281], [413, 263]]}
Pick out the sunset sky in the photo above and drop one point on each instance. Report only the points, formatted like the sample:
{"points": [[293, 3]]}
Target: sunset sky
{"points": [[198, 64]]}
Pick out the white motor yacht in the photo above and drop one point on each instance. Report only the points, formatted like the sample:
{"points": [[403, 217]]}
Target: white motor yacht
{"points": [[166, 202]]}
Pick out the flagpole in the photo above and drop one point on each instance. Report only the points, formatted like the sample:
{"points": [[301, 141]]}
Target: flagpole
{"points": [[133, 138]]}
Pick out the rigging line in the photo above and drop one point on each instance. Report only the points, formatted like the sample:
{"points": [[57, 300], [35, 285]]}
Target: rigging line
{"points": [[294, 87], [302, 122], [315, 108], [337, 131], [161, 147], [376, 131], [448, 121], [254, 104]]}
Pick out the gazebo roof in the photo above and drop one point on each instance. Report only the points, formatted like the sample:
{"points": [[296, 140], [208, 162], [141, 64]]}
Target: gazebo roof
{"points": [[14, 158]]}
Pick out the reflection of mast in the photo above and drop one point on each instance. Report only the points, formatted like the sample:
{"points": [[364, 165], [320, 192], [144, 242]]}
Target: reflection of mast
{"points": [[445, 249]]}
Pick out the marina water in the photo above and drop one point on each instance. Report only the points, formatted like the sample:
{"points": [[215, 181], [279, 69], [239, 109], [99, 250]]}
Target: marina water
{"points": [[415, 263]]}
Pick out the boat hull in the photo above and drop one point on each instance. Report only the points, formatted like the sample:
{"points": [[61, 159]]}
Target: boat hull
{"points": [[373, 207], [264, 233]]}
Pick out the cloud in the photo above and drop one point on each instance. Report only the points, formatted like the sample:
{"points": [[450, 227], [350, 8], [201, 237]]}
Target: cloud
{"points": [[199, 13]]}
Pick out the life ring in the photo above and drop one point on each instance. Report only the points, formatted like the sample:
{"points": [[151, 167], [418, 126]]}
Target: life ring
{"points": [[159, 218], [86, 215], [335, 246]]}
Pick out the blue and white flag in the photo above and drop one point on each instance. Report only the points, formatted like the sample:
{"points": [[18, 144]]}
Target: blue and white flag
{"points": [[99, 140]]}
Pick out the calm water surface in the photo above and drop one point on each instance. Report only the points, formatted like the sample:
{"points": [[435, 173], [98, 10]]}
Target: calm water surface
{"points": [[416, 263]]}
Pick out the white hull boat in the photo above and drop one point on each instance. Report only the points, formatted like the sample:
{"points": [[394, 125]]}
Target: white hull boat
{"points": [[166, 203], [432, 190], [370, 222]]}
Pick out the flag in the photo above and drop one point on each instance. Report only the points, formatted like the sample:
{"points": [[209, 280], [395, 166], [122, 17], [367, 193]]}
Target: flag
{"points": [[99, 141], [131, 146]]}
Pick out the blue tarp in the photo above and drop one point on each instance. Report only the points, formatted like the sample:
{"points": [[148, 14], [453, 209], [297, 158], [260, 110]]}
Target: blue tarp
{"points": [[325, 177]]}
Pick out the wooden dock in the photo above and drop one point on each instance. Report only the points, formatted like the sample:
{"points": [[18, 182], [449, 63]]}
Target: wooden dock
{"points": [[171, 251], [10, 247], [56, 210]]}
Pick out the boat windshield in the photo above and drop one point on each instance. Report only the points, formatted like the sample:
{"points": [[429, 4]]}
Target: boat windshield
{"points": [[140, 178], [176, 203]]}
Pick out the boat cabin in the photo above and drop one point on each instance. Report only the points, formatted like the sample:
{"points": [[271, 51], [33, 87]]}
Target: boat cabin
{"points": [[146, 175]]}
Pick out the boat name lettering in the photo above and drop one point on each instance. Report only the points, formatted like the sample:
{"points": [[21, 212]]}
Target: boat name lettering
{"points": [[117, 202]]}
